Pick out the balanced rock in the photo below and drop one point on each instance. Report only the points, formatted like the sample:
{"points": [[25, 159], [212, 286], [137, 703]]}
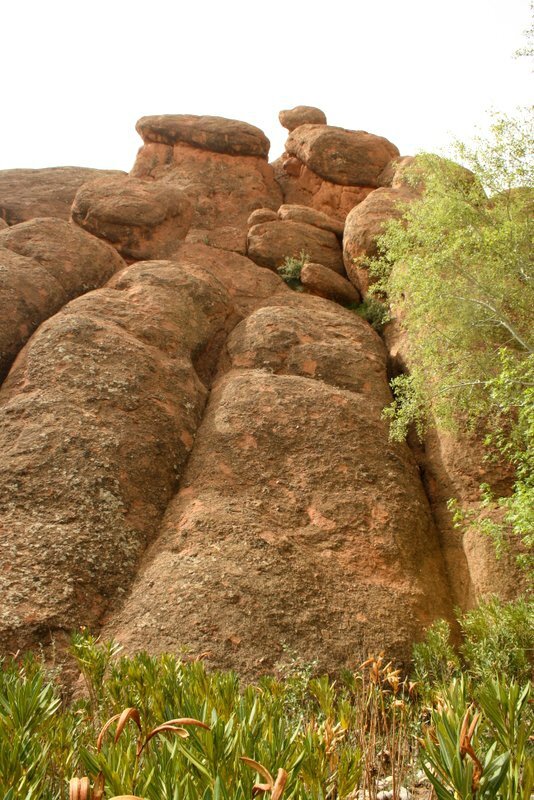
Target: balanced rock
{"points": [[301, 115], [296, 517], [364, 225], [326, 283], [310, 216], [270, 243], [350, 158], [218, 134], [44, 263], [29, 193], [97, 419], [262, 215], [142, 219]]}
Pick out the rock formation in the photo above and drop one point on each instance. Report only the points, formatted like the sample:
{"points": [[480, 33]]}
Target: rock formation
{"points": [[193, 455]]}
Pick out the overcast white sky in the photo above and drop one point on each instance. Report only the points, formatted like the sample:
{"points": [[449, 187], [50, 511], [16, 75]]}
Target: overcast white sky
{"points": [[76, 76]]}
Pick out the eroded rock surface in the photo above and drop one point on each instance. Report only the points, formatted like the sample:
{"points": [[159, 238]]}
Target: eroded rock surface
{"points": [[218, 134], [297, 521], [142, 219], [44, 263], [270, 243], [97, 418], [326, 283], [350, 158], [29, 193]]}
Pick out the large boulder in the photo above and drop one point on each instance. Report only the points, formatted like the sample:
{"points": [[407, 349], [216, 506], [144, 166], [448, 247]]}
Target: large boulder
{"points": [[143, 219], [29, 193], [44, 263], [217, 134], [350, 158], [297, 521], [326, 283], [363, 227], [301, 115], [97, 419], [270, 243], [298, 213]]}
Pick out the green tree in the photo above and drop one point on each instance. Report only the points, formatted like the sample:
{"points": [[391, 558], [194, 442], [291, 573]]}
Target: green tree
{"points": [[458, 272]]}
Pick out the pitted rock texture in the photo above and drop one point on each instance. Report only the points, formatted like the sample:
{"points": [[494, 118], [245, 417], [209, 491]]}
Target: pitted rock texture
{"points": [[350, 158], [326, 283], [363, 227], [270, 243], [301, 186], [223, 189], [97, 418], [142, 219], [301, 115], [297, 213], [218, 134], [297, 521], [29, 193], [44, 263], [247, 284]]}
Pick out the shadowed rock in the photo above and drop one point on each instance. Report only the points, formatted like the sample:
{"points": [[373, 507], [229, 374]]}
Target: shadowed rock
{"points": [[324, 282]]}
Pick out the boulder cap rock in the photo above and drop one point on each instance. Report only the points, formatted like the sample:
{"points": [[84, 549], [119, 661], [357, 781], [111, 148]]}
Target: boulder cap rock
{"points": [[218, 134], [349, 158], [301, 115]]}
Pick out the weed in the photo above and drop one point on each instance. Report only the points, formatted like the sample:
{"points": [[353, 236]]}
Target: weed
{"points": [[291, 268]]}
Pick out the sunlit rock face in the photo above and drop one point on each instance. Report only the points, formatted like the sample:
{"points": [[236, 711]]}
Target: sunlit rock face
{"points": [[193, 455]]}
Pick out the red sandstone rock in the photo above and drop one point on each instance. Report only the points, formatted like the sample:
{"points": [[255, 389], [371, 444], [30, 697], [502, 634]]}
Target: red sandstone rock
{"points": [[301, 186], [223, 189], [297, 522], [301, 115], [44, 264], [326, 283], [262, 215], [271, 243], [364, 225], [208, 133], [311, 216], [3, 224], [350, 158], [29, 193], [394, 173], [142, 219], [97, 418], [246, 283]]}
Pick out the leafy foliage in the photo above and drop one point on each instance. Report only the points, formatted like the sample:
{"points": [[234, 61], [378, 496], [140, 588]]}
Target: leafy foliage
{"points": [[291, 269], [457, 269]]}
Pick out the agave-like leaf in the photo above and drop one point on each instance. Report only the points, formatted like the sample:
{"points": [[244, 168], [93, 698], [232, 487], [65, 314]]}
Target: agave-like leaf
{"points": [[260, 769], [128, 713], [79, 789], [279, 785], [181, 732]]}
